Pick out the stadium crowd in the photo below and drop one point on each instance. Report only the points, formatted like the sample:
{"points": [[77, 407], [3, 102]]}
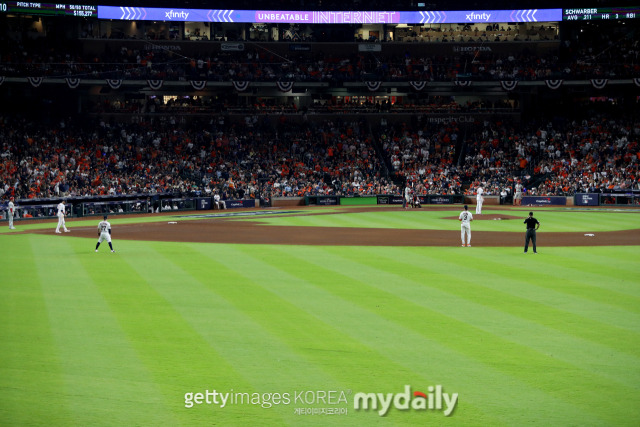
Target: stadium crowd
{"points": [[236, 160], [596, 154], [253, 158]]}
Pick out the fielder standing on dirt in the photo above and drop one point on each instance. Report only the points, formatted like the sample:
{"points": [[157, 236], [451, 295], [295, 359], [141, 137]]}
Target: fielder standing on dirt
{"points": [[61, 214], [479, 200], [104, 233]]}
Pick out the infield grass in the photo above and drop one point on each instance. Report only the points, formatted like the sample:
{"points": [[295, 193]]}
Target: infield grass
{"points": [[118, 339]]}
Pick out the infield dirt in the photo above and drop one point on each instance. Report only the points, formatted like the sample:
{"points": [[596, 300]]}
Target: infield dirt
{"points": [[230, 230]]}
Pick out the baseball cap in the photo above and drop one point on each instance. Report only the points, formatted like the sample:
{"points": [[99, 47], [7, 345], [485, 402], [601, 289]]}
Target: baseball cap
{"points": [[105, 217]]}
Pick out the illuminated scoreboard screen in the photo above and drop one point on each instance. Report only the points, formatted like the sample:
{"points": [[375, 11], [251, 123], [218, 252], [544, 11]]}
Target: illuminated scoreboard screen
{"points": [[600, 13], [48, 9]]}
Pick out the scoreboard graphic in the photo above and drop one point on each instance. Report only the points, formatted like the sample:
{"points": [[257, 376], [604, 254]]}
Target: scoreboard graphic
{"points": [[49, 9], [600, 13]]}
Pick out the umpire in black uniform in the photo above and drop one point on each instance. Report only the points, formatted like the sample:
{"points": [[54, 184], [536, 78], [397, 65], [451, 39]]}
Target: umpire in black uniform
{"points": [[532, 225]]}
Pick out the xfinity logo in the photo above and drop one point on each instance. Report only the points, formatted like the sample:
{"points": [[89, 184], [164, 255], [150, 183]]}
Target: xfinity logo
{"points": [[478, 17], [171, 14]]}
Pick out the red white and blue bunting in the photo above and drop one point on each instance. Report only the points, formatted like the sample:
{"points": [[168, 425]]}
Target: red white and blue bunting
{"points": [[35, 81], [114, 83], [599, 83], [240, 86], [373, 86], [554, 84], [418, 85], [509, 85], [198, 84], [72, 82], [155, 84], [284, 86]]}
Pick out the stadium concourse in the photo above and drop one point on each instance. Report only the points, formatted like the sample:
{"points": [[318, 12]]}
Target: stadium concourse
{"points": [[219, 228]]}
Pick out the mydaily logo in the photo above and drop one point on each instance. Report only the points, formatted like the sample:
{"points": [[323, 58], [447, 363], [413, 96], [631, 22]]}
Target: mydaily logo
{"points": [[433, 400], [171, 14], [478, 17]]}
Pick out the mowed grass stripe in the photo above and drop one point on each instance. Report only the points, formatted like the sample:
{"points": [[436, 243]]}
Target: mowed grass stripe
{"points": [[598, 268], [531, 277], [459, 317], [245, 318], [177, 358], [361, 366], [222, 308], [31, 379], [508, 317], [512, 295], [105, 381], [428, 360], [318, 356], [548, 306]]}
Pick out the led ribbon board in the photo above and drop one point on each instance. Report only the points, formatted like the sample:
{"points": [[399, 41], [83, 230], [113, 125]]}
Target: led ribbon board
{"points": [[328, 17]]}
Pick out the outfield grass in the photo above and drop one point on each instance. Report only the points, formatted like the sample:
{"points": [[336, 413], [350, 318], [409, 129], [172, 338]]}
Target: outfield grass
{"points": [[118, 339]]}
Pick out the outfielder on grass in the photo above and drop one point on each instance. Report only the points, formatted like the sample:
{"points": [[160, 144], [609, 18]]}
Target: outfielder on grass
{"points": [[104, 233], [465, 218]]}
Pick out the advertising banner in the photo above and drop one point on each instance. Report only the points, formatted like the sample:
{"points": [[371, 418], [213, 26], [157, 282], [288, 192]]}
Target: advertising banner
{"points": [[328, 200], [390, 200], [232, 47], [587, 199], [136, 13], [369, 47], [543, 200], [203, 203], [250, 203], [440, 200]]}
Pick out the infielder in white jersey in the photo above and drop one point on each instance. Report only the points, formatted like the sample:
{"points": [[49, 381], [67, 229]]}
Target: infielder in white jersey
{"points": [[407, 197], [465, 228], [104, 233], [11, 211], [479, 200], [61, 214]]}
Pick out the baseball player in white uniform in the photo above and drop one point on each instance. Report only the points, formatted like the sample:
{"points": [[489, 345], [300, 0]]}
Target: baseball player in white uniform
{"points": [[11, 211], [465, 228], [517, 199], [479, 200], [220, 204], [61, 214], [104, 233], [407, 197]]}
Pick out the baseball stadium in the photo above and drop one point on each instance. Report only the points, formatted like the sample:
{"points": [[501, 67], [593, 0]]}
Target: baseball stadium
{"points": [[319, 214]]}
